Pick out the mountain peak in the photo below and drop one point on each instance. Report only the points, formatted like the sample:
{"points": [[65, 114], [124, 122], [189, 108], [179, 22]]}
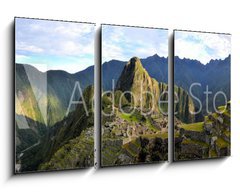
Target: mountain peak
{"points": [[135, 78], [135, 62], [156, 55]]}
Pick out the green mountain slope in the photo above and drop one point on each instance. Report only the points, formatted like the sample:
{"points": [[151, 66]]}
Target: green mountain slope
{"points": [[45, 97], [73, 134]]}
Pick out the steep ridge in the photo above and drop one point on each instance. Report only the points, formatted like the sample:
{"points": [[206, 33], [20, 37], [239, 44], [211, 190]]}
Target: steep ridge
{"points": [[148, 92], [38, 144], [144, 89], [51, 90], [70, 128], [31, 93], [184, 105]]}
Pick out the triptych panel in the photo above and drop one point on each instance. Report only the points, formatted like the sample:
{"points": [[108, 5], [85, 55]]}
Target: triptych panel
{"points": [[134, 82], [54, 95], [202, 104]]}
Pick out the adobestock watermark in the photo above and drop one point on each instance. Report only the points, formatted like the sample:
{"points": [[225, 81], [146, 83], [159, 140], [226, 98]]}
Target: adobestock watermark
{"points": [[144, 101], [149, 101], [206, 93]]}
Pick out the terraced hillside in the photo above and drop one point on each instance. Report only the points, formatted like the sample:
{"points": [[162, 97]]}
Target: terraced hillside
{"points": [[207, 139], [134, 118]]}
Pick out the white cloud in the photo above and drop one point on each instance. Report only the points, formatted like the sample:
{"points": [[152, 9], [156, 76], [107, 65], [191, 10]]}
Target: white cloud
{"points": [[111, 51], [74, 48], [21, 46], [54, 37], [73, 30], [122, 43], [202, 46], [58, 44]]}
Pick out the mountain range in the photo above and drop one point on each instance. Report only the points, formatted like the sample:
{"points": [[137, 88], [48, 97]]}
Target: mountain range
{"points": [[42, 98], [60, 84], [214, 76]]}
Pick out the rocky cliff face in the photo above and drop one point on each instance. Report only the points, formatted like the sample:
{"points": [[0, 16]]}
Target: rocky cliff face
{"points": [[183, 105], [144, 90], [147, 92], [140, 89]]}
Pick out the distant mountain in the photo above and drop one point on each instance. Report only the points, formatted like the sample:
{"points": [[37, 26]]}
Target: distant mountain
{"points": [[60, 84], [49, 93], [157, 67], [215, 75]]}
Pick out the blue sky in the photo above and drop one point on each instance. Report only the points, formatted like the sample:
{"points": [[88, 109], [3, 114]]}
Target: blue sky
{"points": [[202, 46], [122, 43], [54, 45]]}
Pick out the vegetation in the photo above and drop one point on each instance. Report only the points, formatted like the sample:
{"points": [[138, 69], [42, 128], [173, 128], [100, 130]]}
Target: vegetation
{"points": [[76, 153], [211, 136], [195, 142], [193, 126], [221, 143]]}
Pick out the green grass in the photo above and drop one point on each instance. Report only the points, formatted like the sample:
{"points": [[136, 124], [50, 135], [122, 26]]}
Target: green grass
{"points": [[72, 155], [212, 153], [207, 120], [222, 143], [157, 135], [130, 117], [224, 110], [150, 125], [195, 142], [227, 133], [227, 113], [215, 115], [176, 134], [137, 117], [193, 127], [164, 135]]}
